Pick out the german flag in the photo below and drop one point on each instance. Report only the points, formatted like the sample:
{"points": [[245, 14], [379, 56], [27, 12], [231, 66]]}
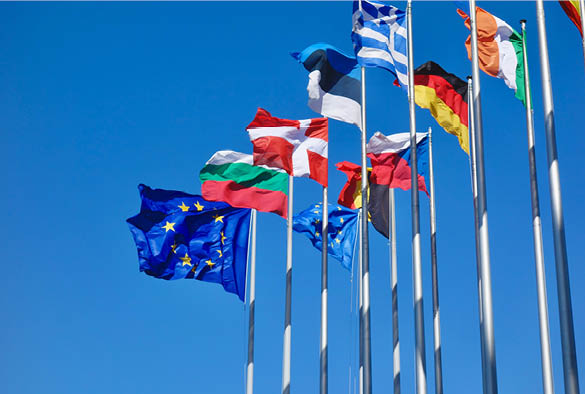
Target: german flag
{"points": [[574, 13], [445, 95]]}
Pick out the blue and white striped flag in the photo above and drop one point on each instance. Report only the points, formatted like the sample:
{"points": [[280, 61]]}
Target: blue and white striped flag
{"points": [[379, 38]]}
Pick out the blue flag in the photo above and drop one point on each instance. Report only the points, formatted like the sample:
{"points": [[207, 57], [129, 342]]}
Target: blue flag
{"points": [[342, 230], [182, 236]]}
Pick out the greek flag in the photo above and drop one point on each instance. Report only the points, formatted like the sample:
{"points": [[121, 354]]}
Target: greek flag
{"points": [[379, 38]]}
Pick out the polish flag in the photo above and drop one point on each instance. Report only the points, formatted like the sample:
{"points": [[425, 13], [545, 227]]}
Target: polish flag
{"points": [[297, 146], [391, 160]]}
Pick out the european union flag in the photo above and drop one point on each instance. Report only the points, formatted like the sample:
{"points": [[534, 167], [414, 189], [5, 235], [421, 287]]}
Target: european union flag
{"points": [[179, 235], [342, 230]]}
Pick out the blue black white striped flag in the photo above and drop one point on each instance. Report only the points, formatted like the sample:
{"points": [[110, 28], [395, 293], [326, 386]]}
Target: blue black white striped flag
{"points": [[380, 38]]}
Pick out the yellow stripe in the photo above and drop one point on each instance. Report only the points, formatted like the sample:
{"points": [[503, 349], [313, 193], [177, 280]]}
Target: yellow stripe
{"points": [[577, 7], [426, 97]]}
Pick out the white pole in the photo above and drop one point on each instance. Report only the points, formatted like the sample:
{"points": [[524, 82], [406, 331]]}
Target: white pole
{"points": [[486, 310], [360, 298], [394, 287], [435, 275], [560, 245], [420, 353], [545, 354], [252, 307], [287, 311], [323, 349]]}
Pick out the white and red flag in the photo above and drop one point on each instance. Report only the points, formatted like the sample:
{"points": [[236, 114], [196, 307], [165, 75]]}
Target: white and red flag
{"points": [[297, 146]]}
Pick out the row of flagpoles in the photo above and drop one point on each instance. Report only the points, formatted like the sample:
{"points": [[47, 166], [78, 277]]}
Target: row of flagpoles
{"points": [[283, 169]]}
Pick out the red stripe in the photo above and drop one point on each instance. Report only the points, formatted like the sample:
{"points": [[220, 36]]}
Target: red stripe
{"points": [[274, 152], [264, 119], [392, 170], [245, 197], [318, 129], [573, 14], [445, 91], [354, 175], [317, 168]]}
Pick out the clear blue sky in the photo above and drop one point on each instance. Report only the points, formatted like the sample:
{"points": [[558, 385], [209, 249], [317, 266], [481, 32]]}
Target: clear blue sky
{"points": [[97, 98]]}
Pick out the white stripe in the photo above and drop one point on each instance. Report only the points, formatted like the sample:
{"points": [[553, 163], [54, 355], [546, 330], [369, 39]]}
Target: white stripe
{"points": [[507, 53], [393, 143], [232, 157]]}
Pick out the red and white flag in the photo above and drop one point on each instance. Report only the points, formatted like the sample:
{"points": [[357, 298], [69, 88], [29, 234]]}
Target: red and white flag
{"points": [[297, 146]]}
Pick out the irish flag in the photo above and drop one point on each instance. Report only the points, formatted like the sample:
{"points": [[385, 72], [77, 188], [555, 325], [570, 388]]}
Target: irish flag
{"points": [[500, 50], [574, 13], [232, 177]]}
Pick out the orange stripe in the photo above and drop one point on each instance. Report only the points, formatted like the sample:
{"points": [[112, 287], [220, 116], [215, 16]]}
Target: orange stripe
{"points": [[487, 48]]}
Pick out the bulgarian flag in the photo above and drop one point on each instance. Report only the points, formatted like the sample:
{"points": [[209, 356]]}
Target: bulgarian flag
{"points": [[297, 146], [232, 177], [500, 50], [574, 13]]}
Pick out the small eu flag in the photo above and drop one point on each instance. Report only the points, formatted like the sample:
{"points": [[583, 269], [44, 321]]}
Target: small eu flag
{"points": [[182, 236], [342, 230]]}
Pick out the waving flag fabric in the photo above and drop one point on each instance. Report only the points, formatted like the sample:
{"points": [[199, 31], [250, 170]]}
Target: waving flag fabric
{"points": [[573, 11], [341, 230], [499, 49], [182, 236], [445, 95], [297, 146], [391, 160], [380, 38], [334, 82], [233, 178], [351, 194]]}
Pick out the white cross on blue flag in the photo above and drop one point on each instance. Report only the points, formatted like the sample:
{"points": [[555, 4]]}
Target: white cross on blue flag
{"points": [[380, 38]]}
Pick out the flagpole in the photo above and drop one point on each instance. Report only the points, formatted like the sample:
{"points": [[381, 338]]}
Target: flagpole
{"points": [[365, 276], [545, 353], [394, 287], [420, 354], [435, 275], [360, 301], [252, 307], [560, 246], [323, 350], [287, 311], [473, 171], [486, 310]]}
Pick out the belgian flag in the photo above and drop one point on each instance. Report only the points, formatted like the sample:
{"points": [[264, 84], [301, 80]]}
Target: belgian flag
{"points": [[445, 95]]}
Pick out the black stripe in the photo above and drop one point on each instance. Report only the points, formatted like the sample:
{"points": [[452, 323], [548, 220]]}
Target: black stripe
{"points": [[378, 208], [332, 81], [432, 68]]}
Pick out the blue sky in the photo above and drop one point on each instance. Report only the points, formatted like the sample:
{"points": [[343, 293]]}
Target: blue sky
{"points": [[99, 97]]}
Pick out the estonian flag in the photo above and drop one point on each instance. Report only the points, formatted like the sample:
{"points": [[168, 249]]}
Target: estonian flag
{"points": [[334, 82]]}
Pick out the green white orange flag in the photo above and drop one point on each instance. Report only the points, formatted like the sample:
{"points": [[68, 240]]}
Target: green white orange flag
{"points": [[574, 12], [500, 50], [232, 177]]}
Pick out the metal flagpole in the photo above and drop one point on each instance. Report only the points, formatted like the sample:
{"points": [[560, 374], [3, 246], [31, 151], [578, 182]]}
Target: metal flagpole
{"points": [[486, 310], [286, 348], [365, 275], [394, 287], [420, 354], [473, 171], [435, 275], [252, 303], [323, 350], [563, 288], [545, 354], [360, 301]]}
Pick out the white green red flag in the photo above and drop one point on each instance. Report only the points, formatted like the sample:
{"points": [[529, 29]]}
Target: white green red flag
{"points": [[499, 49], [299, 147], [233, 178]]}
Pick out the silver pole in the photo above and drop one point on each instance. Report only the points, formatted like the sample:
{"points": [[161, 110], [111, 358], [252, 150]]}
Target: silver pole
{"points": [[323, 349], [252, 307], [420, 354], [287, 311], [394, 286], [435, 275], [545, 354], [561, 261], [473, 171], [487, 316], [360, 298]]}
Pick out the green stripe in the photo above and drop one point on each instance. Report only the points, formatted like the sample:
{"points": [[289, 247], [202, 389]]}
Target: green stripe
{"points": [[246, 175], [516, 40]]}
